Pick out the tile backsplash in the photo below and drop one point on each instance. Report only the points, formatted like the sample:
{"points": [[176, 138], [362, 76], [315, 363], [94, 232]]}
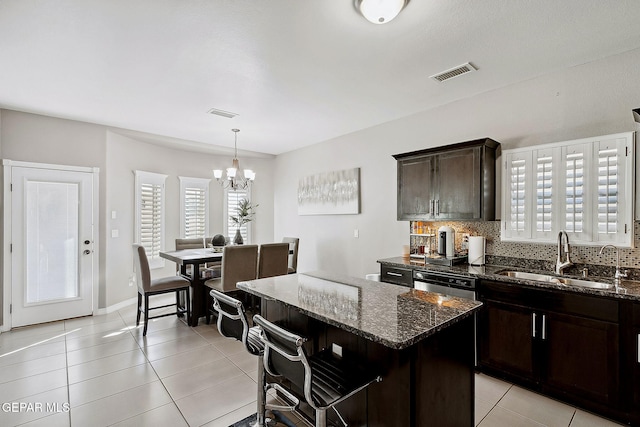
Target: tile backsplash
{"points": [[543, 256]]}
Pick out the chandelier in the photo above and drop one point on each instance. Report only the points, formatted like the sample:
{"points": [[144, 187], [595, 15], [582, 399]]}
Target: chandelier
{"points": [[237, 179]]}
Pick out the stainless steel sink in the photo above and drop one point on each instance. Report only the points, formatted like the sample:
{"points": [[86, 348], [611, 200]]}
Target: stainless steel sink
{"points": [[587, 283], [554, 279], [530, 276]]}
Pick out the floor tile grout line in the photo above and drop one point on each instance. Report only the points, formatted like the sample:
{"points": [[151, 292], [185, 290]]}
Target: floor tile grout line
{"points": [[225, 356], [66, 357], [100, 358], [160, 379], [32, 375], [495, 404]]}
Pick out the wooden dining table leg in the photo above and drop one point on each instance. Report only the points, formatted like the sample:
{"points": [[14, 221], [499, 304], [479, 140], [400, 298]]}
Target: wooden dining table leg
{"points": [[193, 316], [198, 296]]}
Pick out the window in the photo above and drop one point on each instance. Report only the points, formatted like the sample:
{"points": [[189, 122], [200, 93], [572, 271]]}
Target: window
{"points": [[194, 207], [544, 193], [518, 193], [149, 211], [232, 199], [575, 160], [583, 187]]}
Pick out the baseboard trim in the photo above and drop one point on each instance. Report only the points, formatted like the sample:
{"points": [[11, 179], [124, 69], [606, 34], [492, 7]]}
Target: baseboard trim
{"points": [[116, 307]]}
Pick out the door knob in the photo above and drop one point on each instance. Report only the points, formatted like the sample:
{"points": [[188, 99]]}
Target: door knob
{"points": [[87, 242], [86, 252]]}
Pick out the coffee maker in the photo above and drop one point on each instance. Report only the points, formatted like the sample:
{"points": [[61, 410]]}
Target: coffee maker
{"points": [[446, 241]]}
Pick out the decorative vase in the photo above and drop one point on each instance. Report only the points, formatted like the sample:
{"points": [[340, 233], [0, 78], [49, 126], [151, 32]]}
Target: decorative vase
{"points": [[238, 238]]}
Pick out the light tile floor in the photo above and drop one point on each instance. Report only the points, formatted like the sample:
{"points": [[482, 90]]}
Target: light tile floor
{"points": [[107, 373]]}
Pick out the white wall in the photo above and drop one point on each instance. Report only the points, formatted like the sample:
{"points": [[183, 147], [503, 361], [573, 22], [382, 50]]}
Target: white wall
{"points": [[588, 100]]}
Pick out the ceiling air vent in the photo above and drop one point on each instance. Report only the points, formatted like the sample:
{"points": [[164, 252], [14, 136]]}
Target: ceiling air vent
{"points": [[227, 114], [454, 72]]}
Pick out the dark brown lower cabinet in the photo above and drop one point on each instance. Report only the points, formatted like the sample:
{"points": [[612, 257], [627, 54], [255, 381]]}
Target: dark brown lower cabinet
{"points": [[634, 363], [508, 349], [581, 358], [563, 344]]}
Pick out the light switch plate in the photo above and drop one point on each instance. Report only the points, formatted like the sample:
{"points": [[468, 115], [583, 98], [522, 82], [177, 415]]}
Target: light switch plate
{"points": [[115, 233]]}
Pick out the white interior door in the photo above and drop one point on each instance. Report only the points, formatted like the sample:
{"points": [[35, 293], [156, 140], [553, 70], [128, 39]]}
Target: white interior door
{"points": [[52, 245]]}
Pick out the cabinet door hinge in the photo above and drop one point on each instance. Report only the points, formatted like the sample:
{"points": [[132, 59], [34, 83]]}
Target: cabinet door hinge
{"points": [[626, 151], [10, 308], [10, 247], [625, 229]]}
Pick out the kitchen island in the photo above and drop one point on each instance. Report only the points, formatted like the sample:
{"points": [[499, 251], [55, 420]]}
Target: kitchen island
{"points": [[421, 343]]}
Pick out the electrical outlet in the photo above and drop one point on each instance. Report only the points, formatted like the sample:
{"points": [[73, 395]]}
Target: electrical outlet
{"points": [[356, 233], [465, 242], [132, 280]]}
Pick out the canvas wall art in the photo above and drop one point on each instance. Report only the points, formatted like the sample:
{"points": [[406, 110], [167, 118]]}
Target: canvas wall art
{"points": [[331, 193]]}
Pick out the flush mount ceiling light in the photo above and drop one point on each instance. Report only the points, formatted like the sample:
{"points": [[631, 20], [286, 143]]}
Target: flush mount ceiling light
{"points": [[380, 11], [236, 178]]}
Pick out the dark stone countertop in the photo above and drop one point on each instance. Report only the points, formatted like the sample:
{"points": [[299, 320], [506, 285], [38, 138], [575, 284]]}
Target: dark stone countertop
{"points": [[394, 316], [629, 289]]}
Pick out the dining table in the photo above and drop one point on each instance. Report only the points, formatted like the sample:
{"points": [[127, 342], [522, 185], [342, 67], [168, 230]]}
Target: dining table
{"points": [[195, 258]]}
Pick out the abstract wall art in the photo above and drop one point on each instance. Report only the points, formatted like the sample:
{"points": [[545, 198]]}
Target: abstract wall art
{"points": [[330, 193]]}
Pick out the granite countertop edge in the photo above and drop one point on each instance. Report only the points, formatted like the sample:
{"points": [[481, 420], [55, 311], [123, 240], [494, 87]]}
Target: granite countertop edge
{"points": [[396, 345], [630, 290]]}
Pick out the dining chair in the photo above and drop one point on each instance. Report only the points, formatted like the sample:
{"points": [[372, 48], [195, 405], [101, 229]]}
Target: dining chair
{"points": [[188, 243], [323, 379], [239, 262], [273, 259], [148, 287], [209, 270], [293, 242]]}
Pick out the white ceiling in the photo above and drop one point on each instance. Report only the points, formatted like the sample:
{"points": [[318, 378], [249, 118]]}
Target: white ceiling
{"points": [[297, 72]]}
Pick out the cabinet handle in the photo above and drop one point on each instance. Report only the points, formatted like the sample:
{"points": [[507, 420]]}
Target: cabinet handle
{"points": [[544, 326], [533, 332], [438, 207], [431, 207], [391, 273], [638, 348]]}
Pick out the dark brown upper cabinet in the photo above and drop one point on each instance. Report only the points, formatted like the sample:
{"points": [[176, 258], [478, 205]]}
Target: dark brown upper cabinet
{"points": [[454, 182]]}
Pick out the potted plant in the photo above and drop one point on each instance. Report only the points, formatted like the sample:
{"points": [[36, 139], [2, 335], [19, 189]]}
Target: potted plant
{"points": [[246, 211]]}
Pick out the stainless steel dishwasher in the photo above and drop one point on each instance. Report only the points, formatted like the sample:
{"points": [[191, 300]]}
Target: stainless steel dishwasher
{"points": [[445, 283], [449, 284]]}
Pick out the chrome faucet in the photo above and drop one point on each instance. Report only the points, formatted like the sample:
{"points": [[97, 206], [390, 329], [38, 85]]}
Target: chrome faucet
{"points": [[560, 265], [619, 274]]}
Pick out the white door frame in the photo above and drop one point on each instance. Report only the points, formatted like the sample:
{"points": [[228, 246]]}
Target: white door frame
{"points": [[6, 232]]}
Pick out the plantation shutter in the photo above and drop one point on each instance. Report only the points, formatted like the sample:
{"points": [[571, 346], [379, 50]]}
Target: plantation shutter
{"points": [[194, 214], [519, 187], [544, 193], [151, 218], [612, 157], [150, 215], [575, 192]]}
